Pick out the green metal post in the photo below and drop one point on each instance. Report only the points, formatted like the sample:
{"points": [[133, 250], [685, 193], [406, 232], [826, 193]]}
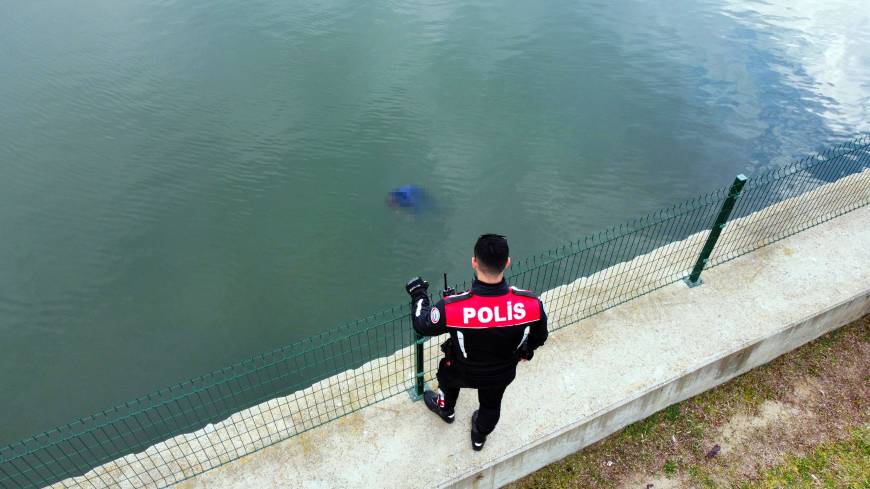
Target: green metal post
{"points": [[694, 278], [419, 385]]}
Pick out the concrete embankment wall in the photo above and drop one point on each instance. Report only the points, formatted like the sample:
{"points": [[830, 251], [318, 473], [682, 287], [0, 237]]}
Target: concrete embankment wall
{"points": [[592, 377]]}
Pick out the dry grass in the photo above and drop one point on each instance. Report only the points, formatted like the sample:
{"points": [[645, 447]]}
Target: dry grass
{"points": [[844, 463], [810, 399]]}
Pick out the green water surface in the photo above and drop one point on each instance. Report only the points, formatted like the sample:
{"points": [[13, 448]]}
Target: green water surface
{"points": [[184, 183]]}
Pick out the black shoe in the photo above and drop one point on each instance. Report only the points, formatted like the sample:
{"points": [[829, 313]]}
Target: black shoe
{"points": [[431, 399], [477, 440]]}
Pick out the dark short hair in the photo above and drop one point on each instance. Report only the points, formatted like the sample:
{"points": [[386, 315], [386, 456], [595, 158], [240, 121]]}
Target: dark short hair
{"points": [[491, 251]]}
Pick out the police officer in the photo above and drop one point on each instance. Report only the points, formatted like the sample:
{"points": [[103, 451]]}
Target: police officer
{"points": [[492, 327]]}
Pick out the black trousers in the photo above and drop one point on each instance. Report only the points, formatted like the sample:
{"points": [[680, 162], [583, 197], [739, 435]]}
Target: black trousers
{"points": [[490, 405], [451, 379]]}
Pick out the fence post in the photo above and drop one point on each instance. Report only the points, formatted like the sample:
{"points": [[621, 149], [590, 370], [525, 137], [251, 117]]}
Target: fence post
{"points": [[694, 278], [416, 392]]}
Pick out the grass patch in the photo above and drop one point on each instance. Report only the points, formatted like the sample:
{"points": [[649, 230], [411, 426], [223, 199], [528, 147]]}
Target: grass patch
{"points": [[669, 468], [700, 476], [839, 464]]}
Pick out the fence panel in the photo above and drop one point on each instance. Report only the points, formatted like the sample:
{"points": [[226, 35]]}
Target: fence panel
{"points": [[230, 412], [783, 202]]}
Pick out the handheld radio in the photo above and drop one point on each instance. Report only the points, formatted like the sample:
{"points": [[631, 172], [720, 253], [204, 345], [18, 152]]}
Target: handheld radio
{"points": [[447, 290]]}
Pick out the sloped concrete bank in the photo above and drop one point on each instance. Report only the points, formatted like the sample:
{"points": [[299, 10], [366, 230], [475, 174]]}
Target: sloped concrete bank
{"points": [[591, 379]]}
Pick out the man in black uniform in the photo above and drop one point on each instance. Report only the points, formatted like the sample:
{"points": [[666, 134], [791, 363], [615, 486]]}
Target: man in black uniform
{"points": [[492, 327]]}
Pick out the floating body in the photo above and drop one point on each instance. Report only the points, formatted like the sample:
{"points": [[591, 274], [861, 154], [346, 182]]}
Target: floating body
{"points": [[407, 197]]}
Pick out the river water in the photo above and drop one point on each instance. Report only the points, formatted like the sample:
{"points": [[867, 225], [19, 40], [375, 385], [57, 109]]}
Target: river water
{"points": [[185, 183]]}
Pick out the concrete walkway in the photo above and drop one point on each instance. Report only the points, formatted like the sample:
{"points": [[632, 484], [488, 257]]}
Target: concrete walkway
{"points": [[591, 378]]}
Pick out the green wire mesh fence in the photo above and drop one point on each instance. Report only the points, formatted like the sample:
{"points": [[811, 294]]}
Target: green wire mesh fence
{"points": [[788, 200], [194, 426], [290, 378]]}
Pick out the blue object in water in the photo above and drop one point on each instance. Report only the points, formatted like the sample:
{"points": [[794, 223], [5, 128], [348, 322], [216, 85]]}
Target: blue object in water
{"points": [[408, 196]]}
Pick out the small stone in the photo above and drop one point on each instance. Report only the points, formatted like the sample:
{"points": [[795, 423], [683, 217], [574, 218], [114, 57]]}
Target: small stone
{"points": [[713, 451]]}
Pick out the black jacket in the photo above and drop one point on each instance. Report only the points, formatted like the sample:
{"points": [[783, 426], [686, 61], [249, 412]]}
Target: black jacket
{"points": [[491, 327]]}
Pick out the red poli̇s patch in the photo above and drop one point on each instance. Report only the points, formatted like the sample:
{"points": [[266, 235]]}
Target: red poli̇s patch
{"points": [[492, 312]]}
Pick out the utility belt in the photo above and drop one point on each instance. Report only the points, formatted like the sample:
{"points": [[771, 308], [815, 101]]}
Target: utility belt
{"points": [[449, 350]]}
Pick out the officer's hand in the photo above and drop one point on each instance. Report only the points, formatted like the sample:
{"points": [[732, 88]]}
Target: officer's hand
{"points": [[526, 354], [416, 286]]}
